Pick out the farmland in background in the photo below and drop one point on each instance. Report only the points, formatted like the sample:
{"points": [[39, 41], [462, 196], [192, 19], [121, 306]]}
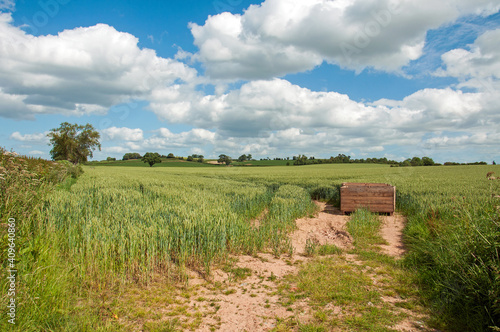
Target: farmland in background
{"points": [[117, 225], [139, 163]]}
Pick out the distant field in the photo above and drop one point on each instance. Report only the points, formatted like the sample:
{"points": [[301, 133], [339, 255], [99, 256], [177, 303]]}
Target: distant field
{"points": [[263, 163], [139, 163], [185, 163]]}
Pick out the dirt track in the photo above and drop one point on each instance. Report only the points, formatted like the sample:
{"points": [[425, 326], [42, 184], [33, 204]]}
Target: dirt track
{"points": [[251, 304]]}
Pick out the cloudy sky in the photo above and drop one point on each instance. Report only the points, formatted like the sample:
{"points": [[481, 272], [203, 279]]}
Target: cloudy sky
{"points": [[368, 78]]}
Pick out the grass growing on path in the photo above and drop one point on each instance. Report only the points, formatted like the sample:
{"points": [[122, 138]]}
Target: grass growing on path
{"points": [[359, 290]]}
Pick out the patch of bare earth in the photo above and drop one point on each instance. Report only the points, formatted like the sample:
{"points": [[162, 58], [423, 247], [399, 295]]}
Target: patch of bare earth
{"points": [[328, 227], [252, 304], [392, 232]]}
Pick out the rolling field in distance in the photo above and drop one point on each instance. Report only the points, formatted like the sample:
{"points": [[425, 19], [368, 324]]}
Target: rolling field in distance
{"points": [[126, 224], [139, 163]]}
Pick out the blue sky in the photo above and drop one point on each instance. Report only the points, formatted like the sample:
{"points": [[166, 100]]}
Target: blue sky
{"points": [[274, 78]]}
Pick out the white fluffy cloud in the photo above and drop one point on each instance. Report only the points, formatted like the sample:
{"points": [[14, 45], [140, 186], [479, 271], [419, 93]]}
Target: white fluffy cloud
{"points": [[261, 107], [273, 117], [166, 139], [161, 140], [35, 138], [435, 109], [478, 67], [79, 71], [122, 134], [286, 36]]}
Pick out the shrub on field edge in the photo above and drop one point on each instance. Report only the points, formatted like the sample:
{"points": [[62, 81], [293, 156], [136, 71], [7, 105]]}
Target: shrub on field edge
{"points": [[329, 194], [74, 170]]}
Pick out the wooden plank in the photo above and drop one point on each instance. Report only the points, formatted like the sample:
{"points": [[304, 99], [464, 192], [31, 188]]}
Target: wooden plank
{"points": [[370, 205], [368, 196], [388, 210], [376, 197], [352, 184], [371, 208], [387, 200], [366, 189]]}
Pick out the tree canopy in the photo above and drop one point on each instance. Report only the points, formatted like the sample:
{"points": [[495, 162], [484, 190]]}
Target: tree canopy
{"points": [[151, 158], [133, 155], [224, 159], [73, 142]]}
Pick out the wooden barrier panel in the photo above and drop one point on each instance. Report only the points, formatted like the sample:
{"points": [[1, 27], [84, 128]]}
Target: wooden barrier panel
{"points": [[376, 197]]}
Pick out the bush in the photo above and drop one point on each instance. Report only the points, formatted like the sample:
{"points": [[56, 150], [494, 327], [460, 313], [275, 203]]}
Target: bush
{"points": [[73, 170], [328, 194]]}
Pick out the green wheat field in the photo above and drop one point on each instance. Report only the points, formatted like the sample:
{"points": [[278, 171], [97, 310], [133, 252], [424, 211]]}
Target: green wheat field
{"points": [[119, 225]]}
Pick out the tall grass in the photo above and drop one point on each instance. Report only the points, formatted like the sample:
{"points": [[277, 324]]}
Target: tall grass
{"points": [[41, 278], [139, 225], [364, 227], [455, 249]]}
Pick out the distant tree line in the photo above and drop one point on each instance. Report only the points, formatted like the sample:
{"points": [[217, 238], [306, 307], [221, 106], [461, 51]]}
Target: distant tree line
{"points": [[450, 163], [304, 160], [245, 157], [134, 155], [196, 157]]}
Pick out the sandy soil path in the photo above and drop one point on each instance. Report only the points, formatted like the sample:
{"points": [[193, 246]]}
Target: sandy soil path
{"points": [[392, 232], [252, 304]]}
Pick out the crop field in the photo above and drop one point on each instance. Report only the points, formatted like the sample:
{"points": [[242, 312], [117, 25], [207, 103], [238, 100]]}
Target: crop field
{"points": [[117, 225], [140, 163]]}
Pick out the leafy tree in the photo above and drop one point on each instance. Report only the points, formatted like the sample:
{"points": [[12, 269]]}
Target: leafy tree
{"points": [[224, 159], [151, 158], [249, 157], [110, 159], [301, 160], [190, 158], [407, 162], [241, 158], [426, 161], [416, 161], [201, 158], [170, 156], [73, 142], [133, 155]]}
